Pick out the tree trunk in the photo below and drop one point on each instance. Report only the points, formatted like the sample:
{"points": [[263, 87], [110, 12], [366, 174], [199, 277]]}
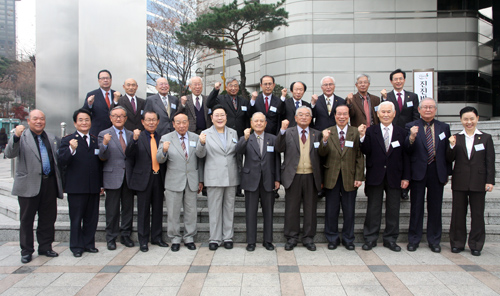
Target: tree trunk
{"points": [[243, 70]]}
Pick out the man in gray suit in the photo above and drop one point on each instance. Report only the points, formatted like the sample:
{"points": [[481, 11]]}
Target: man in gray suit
{"points": [[183, 180], [164, 105], [37, 183], [112, 144], [195, 107]]}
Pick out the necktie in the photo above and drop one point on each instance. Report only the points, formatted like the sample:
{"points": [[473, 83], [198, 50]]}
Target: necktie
{"points": [[261, 146], [198, 106], [386, 138], [429, 143], [297, 105], [86, 143], [234, 104], [133, 105], [183, 145], [154, 149], [400, 102], [342, 140], [167, 106], [367, 111], [44, 155], [122, 141], [267, 104], [328, 106], [107, 100], [303, 137]]}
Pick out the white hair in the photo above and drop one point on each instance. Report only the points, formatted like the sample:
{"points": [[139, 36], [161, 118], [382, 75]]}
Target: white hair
{"points": [[388, 103], [326, 78], [426, 99], [363, 75], [191, 79]]}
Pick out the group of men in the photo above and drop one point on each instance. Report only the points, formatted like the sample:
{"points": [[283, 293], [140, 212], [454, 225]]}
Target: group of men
{"points": [[127, 146]]}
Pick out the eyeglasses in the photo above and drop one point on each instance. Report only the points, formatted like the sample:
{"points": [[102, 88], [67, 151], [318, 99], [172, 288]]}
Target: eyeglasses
{"points": [[267, 84], [104, 78], [150, 120], [219, 115], [428, 107], [303, 115], [328, 85], [232, 86], [119, 116]]}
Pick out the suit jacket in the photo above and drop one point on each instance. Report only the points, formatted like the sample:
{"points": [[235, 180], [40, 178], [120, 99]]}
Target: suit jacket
{"points": [[154, 103], [418, 150], [27, 180], [133, 119], [289, 144], [357, 110], [189, 110], [349, 161], [275, 114], [99, 111], [409, 112], [290, 111], [238, 119], [395, 163], [179, 169], [83, 170], [139, 163], [113, 157], [474, 173], [320, 112], [221, 169], [257, 166]]}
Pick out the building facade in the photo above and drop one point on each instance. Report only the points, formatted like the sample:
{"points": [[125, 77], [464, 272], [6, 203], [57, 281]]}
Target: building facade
{"points": [[8, 29]]}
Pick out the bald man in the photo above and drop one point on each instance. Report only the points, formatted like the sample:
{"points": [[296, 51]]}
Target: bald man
{"points": [[132, 104]]}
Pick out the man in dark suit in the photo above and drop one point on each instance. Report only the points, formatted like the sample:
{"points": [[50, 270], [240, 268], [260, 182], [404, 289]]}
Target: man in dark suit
{"points": [[79, 154], [37, 184], [387, 169], [112, 144], [100, 101], [132, 104], [146, 176], [269, 104], [426, 144], [344, 173], [164, 105], [363, 106], [323, 106], [301, 177], [259, 177], [195, 107], [298, 89]]}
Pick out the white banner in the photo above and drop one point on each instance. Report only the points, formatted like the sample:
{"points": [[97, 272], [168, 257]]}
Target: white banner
{"points": [[423, 83]]}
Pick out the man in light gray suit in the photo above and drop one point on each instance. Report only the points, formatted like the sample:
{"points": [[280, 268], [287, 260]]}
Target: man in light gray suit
{"points": [[112, 144], [164, 105], [182, 182], [218, 146], [37, 183]]}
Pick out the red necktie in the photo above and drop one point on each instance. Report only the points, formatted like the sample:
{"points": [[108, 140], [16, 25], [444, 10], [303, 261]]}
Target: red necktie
{"points": [[122, 141], [107, 100], [133, 105], [342, 140], [400, 102], [267, 104], [303, 137], [367, 112]]}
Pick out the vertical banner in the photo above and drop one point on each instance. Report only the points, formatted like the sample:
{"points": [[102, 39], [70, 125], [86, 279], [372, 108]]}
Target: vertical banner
{"points": [[423, 83]]}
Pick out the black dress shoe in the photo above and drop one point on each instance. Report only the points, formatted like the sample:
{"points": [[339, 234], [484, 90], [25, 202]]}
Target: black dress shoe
{"points": [[77, 254], [435, 248], [126, 241], [392, 246], [239, 194], [49, 253], [144, 248], [475, 252], [369, 245], [228, 245], [190, 246], [321, 194], [26, 258], [251, 247], [289, 246], [456, 250], [276, 194], [175, 247], [412, 247], [91, 250], [268, 246], [213, 246], [310, 246], [159, 242], [112, 245], [404, 195], [333, 245], [349, 246]]}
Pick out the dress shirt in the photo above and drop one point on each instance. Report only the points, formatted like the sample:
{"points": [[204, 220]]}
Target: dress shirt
{"points": [[295, 102], [299, 130], [469, 140], [402, 92], [130, 99], [344, 129], [73, 152], [201, 100], [186, 141], [326, 101]]}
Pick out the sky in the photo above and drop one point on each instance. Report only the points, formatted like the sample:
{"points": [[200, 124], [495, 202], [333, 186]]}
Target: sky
{"points": [[25, 27]]}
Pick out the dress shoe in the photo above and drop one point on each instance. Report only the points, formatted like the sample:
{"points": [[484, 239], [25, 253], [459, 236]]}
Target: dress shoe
{"points": [[126, 241], [321, 194], [26, 258], [112, 245], [91, 250], [213, 246], [159, 242], [310, 246], [412, 247], [404, 195], [349, 246], [268, 246], [456, 250], [475, 252], [228, 245], [289, 246], [392, 246], [369, 245], [190, 246], [175, 247], [77, 254], [49, 253], [276, 194], [251, 247], [144, 248], [435, 248], [239, 194], [333, 245]]}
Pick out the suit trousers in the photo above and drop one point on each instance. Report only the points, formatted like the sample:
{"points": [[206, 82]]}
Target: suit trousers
{"points": [[434, 205], [45, 204], [84, 215], [373, 217], [115, 197], [221, 213], [150, 202], [458, 228], [251, 209], [335, 198], [302, 190], [175, 200]]}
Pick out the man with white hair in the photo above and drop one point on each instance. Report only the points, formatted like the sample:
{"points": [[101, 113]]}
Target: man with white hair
{"points": [[363, 106], [324, 105], [195, 107]]}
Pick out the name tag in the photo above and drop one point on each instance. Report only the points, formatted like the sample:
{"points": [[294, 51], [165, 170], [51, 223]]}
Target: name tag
{"points": [[375, 108], [142, 112], [479, 147], [209, 111], [192, 144], [409, 104], [173, 106], [234, 140], [272, 109], [395, 144], [243, 108], [442, 136], [349, 144], [270, 148], [316, 144], [96, 151]]}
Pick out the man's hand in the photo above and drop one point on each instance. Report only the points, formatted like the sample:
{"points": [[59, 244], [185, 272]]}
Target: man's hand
{"points": [[254, 95], [19, 130], [217, 87], [404, 184], [314, 99], [349, 99], [183, 100], [116, 96], [413, 132], [137, 133], [284, 124], [165, 146], [453, 140], [246, 133], [73, 143], [276, 185], [90, 100], [362, 130], [106, 139], [358, 184], [203, 138], [489, 187], [383, 93], [200, 187], [283, 92], [326, 134]]}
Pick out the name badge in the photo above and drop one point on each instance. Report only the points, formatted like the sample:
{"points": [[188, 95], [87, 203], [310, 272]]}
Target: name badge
{"points": [[395, 144], [272, 109], [409, 104], [192, 144], [479, 147], [349, 144], [173, 106], [270, 148], [142, 112], [375, 108], [234, 140], [96, 151], [209, 111], [442, 136], [316, 144], [243, 108]]}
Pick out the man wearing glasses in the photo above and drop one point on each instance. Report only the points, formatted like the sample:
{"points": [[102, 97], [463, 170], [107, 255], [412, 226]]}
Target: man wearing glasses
{"points": [[323, 106], [269, 104], [164, 105]]}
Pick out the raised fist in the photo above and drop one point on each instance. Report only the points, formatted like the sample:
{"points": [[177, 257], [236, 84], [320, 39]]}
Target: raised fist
{"points": [[254, 95], [73, 143], [326, 134], [453, 140], [19, 130], [90, 100], [165, 146], [314, 99], [217, 85], [137, 133], [106, 138], [203, 138], [362, 130], [284, 124]]}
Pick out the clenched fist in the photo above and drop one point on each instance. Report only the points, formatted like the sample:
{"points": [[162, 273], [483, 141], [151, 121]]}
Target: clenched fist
{"points": [[413, 133], [165, 146], [217, 85], [284, 124], [254, 95], [106, 139], [19, 130], [116, 96], [362, 130], [246, 132], [349, 98], [314, 99], [326, 134], [137, 133], [90, 100], [203, 138], [383, 93], [283, 92], [183, 100], [73, 143], [453, 140]]}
